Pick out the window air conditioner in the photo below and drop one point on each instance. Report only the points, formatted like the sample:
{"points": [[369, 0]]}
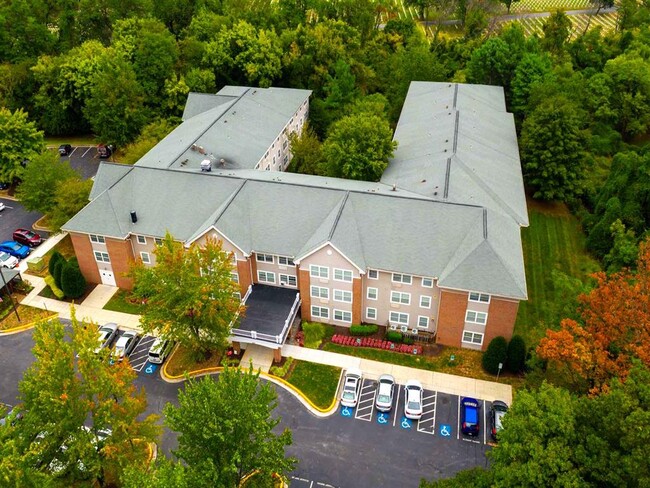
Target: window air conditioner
{"points": [[404, 328], [393, 327], [414, 331]]}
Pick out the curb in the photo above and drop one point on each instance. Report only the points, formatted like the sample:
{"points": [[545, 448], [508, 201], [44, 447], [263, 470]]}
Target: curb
{"points": [[37, 226], [22, 328], [8, 197]]}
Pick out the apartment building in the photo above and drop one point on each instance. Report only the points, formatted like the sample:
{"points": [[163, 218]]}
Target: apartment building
{"points": [[433, 249]]}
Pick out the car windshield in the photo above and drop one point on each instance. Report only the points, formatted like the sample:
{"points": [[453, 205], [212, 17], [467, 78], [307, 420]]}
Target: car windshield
{"points": [[413, 405], [348, 395], [29, 234], [15, 246], [4, 256], [383, 398], [498, 418], [471, 416]]}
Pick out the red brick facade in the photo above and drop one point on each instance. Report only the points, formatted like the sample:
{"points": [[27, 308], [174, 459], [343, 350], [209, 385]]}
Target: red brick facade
{"points": [[501, 319], [303, 287], [121, 254], [244, 272], [451, 317], [357, 301], [85, 257]]}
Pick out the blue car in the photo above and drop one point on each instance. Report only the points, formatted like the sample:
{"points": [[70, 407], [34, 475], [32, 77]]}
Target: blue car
{"points": [[470, 415], [15, 249]]}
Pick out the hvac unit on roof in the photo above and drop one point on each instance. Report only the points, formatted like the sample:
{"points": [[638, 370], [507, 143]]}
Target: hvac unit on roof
{"points": [[201, 149], [222, 163], [194, 147], [206, 165]]}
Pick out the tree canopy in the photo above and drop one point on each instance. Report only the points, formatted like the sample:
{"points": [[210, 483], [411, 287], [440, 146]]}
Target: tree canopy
{"points": [[20, 140]]}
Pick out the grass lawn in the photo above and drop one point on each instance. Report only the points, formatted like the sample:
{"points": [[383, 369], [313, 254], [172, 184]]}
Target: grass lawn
{"points": [[182, 361], [554, 240], [317, 381], [64, 246], [120, 303], [27, 316], [79, 140]]}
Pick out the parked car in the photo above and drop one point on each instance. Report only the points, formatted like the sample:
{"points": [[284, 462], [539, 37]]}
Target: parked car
{"points": [[105, 150], [413, 400], [7, 260], [106, 335], [470, 413], [15, 249], [385, 392], [2, 206], [11, 415], [27, 237], [497, 411], [4, 185], [159, 350], [351, 388], [65, 149], [124, 345]]}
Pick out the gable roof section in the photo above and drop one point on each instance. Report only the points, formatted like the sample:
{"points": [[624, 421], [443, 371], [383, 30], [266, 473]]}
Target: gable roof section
{"points": [[107, 175], [197, 103]]}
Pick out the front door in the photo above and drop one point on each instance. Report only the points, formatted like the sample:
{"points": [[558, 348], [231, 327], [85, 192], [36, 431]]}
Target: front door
{"points": [[108, 278]]}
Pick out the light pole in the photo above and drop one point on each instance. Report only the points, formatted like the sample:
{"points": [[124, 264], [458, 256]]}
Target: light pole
{"points": [[13, 304], [499, 372]]}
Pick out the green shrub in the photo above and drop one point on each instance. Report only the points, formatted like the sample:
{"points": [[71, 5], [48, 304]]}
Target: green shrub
{"points": [[73, 282], [49, 280], [314, 334], [58, 269], [54, 258], [408, 340], [282, 371], [497, 352], [363, 330], [516, 354], [394, 336]]}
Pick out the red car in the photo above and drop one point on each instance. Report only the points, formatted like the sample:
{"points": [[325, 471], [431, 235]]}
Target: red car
{"points": [[27, 237]]}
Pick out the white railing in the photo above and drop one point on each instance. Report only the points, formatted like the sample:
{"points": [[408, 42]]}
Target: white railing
{"points": [[248, 292], [277, 339], [289, 321]]}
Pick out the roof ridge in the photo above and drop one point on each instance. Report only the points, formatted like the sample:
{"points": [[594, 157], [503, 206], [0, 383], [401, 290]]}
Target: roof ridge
{"points": [[338, 216], [507, 268], [459, 248]]}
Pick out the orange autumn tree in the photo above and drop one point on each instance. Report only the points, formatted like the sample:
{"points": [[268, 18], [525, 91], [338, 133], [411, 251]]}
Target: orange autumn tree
{"points": [[613, 330]]}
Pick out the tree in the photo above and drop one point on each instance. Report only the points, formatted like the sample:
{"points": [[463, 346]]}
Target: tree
{"points": [[19, 140], [421, 6], [150, 135], [625, 249], [56, 256], [70, 197], [614, 328], [340, 91], [358, 147], [491, 64], [599, 4], [532, 70], [516, 356], [190, 293], [306, 150], [73, 282], [557, 30], [40, 179], [58, 267], [495, 355], [238, 409], [552, 145]]}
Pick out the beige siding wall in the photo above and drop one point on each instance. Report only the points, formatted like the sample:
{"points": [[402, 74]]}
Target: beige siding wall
{"points": [[140, 248], [277, 269]]}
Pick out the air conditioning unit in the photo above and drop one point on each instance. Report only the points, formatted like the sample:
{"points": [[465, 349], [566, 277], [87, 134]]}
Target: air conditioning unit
{"points": [[414, 331], [404, 328], [393, 327]]}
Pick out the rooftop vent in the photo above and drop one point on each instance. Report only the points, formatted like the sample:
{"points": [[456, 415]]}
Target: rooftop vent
{"points": [[222, 162], [394, 187], [206, 165], [134, 216], [194, 147], [201, 149]]}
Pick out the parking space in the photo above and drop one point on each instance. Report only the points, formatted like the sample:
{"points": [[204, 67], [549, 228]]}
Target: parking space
{"points": [[14, 216], [140, 355], [305, 483], [427, 422], [84, 159], [366, 403]]}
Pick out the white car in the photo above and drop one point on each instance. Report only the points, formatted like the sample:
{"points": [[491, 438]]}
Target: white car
{"points": [[351, 388], [106, 335], [385, 391], [7, 260], [413, 400], [2, 206], [159, 350], [125, 345]]}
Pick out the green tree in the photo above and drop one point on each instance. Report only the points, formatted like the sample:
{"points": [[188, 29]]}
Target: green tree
{"points": [[200, 80], [557, 30], [57, 269], [358, 147], [495, 355], [19, 140], [56, 256], [71, 196], [238, 409], [73, 282], [532, 70], [552, 145], [490, 64], [151, 135], [625, 249], [307, 152], [23, 35], [39, 181], [516, 356], [422, 6], [190, 293]]}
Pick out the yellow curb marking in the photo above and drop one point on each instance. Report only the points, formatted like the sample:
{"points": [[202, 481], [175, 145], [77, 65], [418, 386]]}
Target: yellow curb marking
{"points": [[20, 328]]}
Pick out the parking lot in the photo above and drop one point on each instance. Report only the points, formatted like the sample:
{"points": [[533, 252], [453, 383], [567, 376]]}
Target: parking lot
{"points": [[13, 217], [84, 159], [139, 357]]}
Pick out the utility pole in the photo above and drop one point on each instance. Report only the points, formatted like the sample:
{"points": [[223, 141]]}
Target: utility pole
{"points": [[13, 304]]}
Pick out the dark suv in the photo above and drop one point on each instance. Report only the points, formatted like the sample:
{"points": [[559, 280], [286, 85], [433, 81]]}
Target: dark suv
{"points": [[27, 237], [65, 149]]}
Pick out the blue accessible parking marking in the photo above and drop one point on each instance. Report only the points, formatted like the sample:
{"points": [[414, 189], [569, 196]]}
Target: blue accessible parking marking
{"points": [[445, 430], [347, 411], [406, 423], [151, 368], [383, 418]]}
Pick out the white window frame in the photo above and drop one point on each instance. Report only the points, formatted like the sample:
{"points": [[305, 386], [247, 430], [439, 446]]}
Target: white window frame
{"points": [[368, 293], [316, 271], [234, 277], [97, 239], [478, 297], [400, 278], [398, 297], [146, 259], [264, 258], [158, 241], [319, 312], [342, 313], [317, 292], [287, 261], [286, 279], [374, 313], [426, 297], [399, 317], [342, 294], [371, 272], [267, 275], [420, 326], [142, 239], [102, 257], [342, 275], [470, 337], [430, 281], [475, 319]]}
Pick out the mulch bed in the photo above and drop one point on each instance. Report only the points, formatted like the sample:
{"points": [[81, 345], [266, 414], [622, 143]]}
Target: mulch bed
{"points": [[47, 293]]}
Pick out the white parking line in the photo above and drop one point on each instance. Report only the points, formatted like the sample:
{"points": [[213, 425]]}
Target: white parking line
{"points": [[399, 391], [458, 426], [84, 154], [484, 425], [428, 416], [75, 148]]}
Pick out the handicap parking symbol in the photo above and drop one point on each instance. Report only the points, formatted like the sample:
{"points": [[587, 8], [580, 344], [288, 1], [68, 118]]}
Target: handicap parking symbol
{"points": [[445, 430], [150, 369], [346, 411], [406, 423], [383, 418]]}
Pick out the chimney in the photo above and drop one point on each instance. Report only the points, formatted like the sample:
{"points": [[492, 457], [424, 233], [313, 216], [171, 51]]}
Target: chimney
{"points": [[134, 216]]}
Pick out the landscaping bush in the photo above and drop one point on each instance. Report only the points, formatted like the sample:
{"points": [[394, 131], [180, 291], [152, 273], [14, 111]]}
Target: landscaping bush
{"points": [[393, 336], [497, 352], [314, 334], [408, 341], [54, 258], [516, 354], [49, 280], [282, 371], [58, 269], [363, 330], [73, 282]]}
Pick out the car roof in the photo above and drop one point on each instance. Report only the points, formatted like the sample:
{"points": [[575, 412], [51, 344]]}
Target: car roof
{"points": [[413, 395], [413, 383], [110, 325]]}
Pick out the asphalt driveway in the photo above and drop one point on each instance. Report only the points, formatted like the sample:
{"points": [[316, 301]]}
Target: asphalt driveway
{"points": [[14, 216]]}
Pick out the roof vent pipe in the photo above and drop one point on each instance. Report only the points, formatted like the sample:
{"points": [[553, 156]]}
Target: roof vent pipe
{"points": [[134, 216], [394, 186]]}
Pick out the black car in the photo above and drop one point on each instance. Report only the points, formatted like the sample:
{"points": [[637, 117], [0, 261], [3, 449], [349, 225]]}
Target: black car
{"points": [[65, 149], [497, 411], [105, 150], [4, 185]]}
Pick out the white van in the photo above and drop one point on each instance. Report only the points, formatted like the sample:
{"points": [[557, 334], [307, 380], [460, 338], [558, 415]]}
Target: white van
{"points": [[159, 350]]}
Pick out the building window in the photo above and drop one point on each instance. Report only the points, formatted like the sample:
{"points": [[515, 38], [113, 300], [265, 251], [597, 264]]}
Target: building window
{"points": [[476, 317], [399, 318], [479, 297], [475, 338], [402, 278], [284, 144], [234, 277], [425, 301], [145, 257], [284, 261], [288, 280], [343, 275], [142, 240], [266, 277], [322, 312], [158, 241], [233, 258], [97, 239], [373, 274], [264, 258], [285, 160], [320, 292], [343, 316], [371, 313], [102, 257], [372, 293], [399, 297], [319, 271], [423, 322], [427, 282], [343, 296]]}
